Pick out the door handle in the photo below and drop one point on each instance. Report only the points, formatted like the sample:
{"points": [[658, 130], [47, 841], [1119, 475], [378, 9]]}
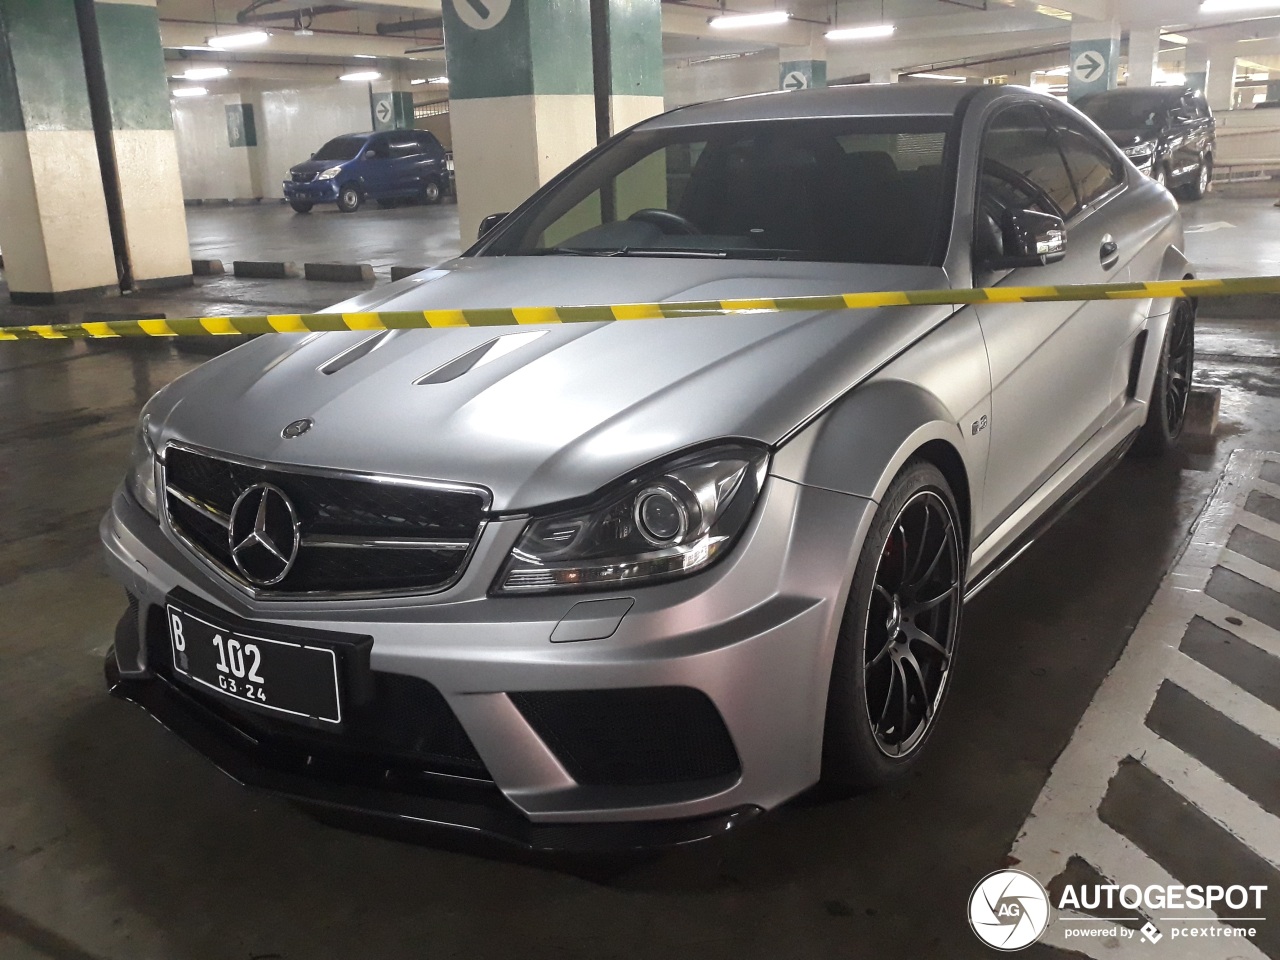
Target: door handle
{"points": [[1109, 253]]}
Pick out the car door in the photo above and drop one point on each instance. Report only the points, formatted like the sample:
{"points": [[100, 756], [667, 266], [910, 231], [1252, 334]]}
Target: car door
{"points": [[376, 168], [1051, 363], [406, 163]]}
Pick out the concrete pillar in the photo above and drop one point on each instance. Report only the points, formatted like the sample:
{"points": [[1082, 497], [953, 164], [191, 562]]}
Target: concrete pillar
{"points": [[521, 91], [136, 140], [1221, 87], [53, 213], [800, 68], [1195, 65], [391, 100], [1094, 58], [1144, 50], [1273, 89]]}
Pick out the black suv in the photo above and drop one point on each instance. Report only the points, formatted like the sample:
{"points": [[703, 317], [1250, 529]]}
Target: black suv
{"points": [[1168, 132]]}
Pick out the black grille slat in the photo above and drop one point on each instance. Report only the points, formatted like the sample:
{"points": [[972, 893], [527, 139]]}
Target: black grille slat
{"points": [[331, 506], [632, 736]]}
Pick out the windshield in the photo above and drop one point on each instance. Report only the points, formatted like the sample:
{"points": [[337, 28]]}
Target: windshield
{"points": [[340, 148], [1127, 111], [856, 190]]}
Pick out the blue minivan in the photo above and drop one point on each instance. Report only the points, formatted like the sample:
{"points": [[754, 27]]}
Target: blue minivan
{"points": [[387, 166]]}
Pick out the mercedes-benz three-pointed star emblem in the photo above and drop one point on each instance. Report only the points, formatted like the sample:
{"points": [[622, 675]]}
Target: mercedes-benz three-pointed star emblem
{"points": [[264, 534]]}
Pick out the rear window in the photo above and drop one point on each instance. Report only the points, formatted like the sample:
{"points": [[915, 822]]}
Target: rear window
{"points": [[1128, 111], [340, 148]]}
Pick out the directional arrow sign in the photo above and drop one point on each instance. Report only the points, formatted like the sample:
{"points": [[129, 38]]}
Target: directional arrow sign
{"points": [[482, 14], [1089, 66], [795, 80], [383, 111]]}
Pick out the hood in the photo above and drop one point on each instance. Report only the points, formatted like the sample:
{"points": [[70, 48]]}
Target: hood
{"points": [[541, 414], [1127, 137], [316, 166]]}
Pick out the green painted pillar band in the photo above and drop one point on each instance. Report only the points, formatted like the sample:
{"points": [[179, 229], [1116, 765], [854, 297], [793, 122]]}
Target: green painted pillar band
{"points": [[42, 82], [635, 48], [509, 48], [129, 35], [801, 74]]}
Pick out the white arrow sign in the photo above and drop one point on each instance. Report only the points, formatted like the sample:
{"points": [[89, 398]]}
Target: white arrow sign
{"points": [[795, 80], [383, 111], [482, 14], [1089, 66]]}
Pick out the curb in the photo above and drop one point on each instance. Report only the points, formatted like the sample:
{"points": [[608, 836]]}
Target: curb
{"points": [[1246, 306], [399, 273], [208, 268], [339, 272], [266, 270]]}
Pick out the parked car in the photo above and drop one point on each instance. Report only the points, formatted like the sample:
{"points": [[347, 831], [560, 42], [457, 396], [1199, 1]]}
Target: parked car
{"points": [[1168, 132], [386, 167], [619, 583]]}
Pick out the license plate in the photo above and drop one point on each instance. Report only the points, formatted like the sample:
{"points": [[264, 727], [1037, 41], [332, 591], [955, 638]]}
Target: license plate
{"points": [[285, 676]]}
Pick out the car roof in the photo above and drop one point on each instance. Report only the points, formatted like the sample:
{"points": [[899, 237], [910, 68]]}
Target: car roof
{"points": [[1162, 92], [922, 98]]}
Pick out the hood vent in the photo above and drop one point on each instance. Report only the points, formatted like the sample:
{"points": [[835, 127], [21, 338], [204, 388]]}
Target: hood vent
{"points": [[487, 352], [361, 349]]}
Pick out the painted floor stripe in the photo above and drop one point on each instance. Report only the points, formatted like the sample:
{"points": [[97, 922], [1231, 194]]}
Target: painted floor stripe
{"points": [[1205, 822]]}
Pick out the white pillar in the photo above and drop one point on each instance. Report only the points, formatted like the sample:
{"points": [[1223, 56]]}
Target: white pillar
{"points": [[1221, 86], [1144, 50]]}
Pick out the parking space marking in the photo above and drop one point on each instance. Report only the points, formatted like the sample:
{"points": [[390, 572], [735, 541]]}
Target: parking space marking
{"points": [[1201, 669]]}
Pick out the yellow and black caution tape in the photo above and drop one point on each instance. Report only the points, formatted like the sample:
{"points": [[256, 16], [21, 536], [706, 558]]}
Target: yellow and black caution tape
{"points": [[513, 316]]}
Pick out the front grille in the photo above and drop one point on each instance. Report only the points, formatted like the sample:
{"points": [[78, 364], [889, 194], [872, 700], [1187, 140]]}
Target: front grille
{"points": [[303, 177], [358, 536], [632, 737]]}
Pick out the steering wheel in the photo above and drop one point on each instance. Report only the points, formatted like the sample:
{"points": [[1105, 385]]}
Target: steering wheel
{"points": [[666, 220], [1020, 181]]}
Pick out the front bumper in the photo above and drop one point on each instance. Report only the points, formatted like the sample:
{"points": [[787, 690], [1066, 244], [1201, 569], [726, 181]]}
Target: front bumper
{"points": [[314, 191], [754, 634]]}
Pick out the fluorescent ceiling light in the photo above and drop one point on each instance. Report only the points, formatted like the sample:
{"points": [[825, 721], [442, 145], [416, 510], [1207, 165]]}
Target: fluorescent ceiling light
{"points": [[1175, 38], [364, 56], [936, 76], [189, 91], [234, 41], [366, 76], [1237, 6], [418, 81], [204, 73], [439, 80], [861, 33], [731, 21]]}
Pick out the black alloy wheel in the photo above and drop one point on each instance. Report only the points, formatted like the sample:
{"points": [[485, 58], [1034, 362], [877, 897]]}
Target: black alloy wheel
{"points": [[1171, 390], [896, 651]]}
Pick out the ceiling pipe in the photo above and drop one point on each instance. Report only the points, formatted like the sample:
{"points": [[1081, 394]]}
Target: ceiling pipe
{"points": [[250, 13], [410, 26]]}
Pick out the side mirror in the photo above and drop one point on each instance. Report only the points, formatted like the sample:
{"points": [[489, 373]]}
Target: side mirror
{"points": [[488, 223], [313, 156], [1031, 239]]}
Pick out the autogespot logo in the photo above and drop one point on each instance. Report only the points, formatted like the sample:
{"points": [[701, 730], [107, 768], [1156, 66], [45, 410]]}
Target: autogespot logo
{"points": [[1009, 910]]}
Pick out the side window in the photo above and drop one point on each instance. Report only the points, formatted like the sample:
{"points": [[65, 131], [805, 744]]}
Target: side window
{"points": [[406, 147], [431, 146], [379, 146], [1022, 166], [1094, 167]]}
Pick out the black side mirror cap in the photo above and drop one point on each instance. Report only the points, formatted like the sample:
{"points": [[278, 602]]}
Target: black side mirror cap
{"points": [[488, 223], [1031, 239]]}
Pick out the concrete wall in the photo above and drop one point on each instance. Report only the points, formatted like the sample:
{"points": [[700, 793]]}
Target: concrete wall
{"points": [[292, 123], [685, 83]]}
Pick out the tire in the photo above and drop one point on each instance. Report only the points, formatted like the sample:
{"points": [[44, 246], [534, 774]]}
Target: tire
{"points": [[1161, 175], [431, 192], [349, 198], [898, 637], [1167, 407], [301, 206], [1198, 187], [386, 204]]}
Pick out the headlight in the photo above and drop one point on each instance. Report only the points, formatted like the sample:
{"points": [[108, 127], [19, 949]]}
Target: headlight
{"points": [[665, 524], [141, 479], [330, 173], [1139, 149]]}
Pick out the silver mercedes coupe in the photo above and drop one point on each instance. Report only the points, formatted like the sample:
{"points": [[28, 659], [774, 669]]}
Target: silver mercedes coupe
{"points": [[615, 584]]}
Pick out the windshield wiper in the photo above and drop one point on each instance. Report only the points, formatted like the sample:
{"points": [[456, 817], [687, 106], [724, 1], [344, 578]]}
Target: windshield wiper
{"points": [[561, 251], [669, 252]]}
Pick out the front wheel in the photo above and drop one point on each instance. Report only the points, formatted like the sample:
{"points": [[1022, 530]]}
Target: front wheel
{"points": [[301, 206], [431, 192], [349, 199], [1167, 408], [897, 643], [1204, 177], [1161, 175]]}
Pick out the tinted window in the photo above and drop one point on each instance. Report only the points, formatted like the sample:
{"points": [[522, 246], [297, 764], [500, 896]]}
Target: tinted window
{"points": [[1022, 165], [430, 145], [406, 147], [1093, 165], [863, 190], [340, 148], [1128, 109]]}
